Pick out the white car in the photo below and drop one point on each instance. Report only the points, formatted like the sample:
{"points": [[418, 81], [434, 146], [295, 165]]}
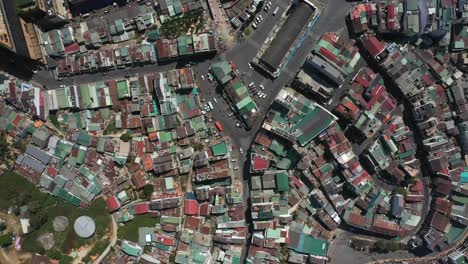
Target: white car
{"points": [[214, 100], [241, 150], [261, 18], [254, 25], [230, 114], [203, 77], [250, 66], [262, 87], [251, 84], [238, 124], [258, 19]]}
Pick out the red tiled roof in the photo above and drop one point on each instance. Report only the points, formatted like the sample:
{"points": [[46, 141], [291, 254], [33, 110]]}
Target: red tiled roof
{"points": [[298, 183], [192, 222], [73, 48], [443, 205], [141, 208], [376, 93], [112, 203], [138, 178], [440, 221], [204, 209], [260, 164], [17, 120], [328, 54], [168, 241], [147, 161], [191, 207], [205, 230], [52, 172], [373, 46], [384, 227], [361, 178]]}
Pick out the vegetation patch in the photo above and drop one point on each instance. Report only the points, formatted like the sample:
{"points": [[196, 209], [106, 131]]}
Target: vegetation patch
{"points": [[181, 25], [110, 129], [130, 230], [98, 248], [54, 120], [43, 208]]}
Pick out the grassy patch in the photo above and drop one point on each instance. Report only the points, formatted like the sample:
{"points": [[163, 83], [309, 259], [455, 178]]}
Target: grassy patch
{"points": [[248, 30], [68, 240], [130, 230], [18, 191]]}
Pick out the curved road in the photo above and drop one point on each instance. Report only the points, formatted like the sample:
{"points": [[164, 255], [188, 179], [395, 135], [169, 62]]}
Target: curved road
{"points": [[112, 243]]}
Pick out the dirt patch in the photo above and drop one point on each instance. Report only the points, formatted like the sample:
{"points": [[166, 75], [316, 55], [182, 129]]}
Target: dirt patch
{"points": [[60, 223], [12, 223], [47, 241], [11, 256]]}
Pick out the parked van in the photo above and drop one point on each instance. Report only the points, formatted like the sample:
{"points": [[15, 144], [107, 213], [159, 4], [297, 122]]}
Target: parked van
{"points": [[276, 10]]}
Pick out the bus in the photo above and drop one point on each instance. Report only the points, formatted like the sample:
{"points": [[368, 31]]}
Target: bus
{"points": [[219, 126]]}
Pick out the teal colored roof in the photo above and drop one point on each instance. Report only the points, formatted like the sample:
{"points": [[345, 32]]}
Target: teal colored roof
{"points": [[464, 177], [309, 133], [153, 35], [219, 149], [84, 139], [311, 245], [131, 249], [282, 184], [220, 70]]}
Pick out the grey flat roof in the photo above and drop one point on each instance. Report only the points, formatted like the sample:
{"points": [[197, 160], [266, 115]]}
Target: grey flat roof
{"points": [[290, 30]]}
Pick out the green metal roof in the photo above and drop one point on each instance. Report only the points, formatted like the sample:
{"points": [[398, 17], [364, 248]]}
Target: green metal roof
{"points": [[219, 149], [311, 245], [282, 184]]}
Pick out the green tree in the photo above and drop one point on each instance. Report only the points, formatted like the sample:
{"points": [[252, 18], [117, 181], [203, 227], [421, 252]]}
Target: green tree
{"points": [[125, 137], [5, 240], [386, 246], [148, 190], [54, 254], [38, 219], [400, 190]]}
